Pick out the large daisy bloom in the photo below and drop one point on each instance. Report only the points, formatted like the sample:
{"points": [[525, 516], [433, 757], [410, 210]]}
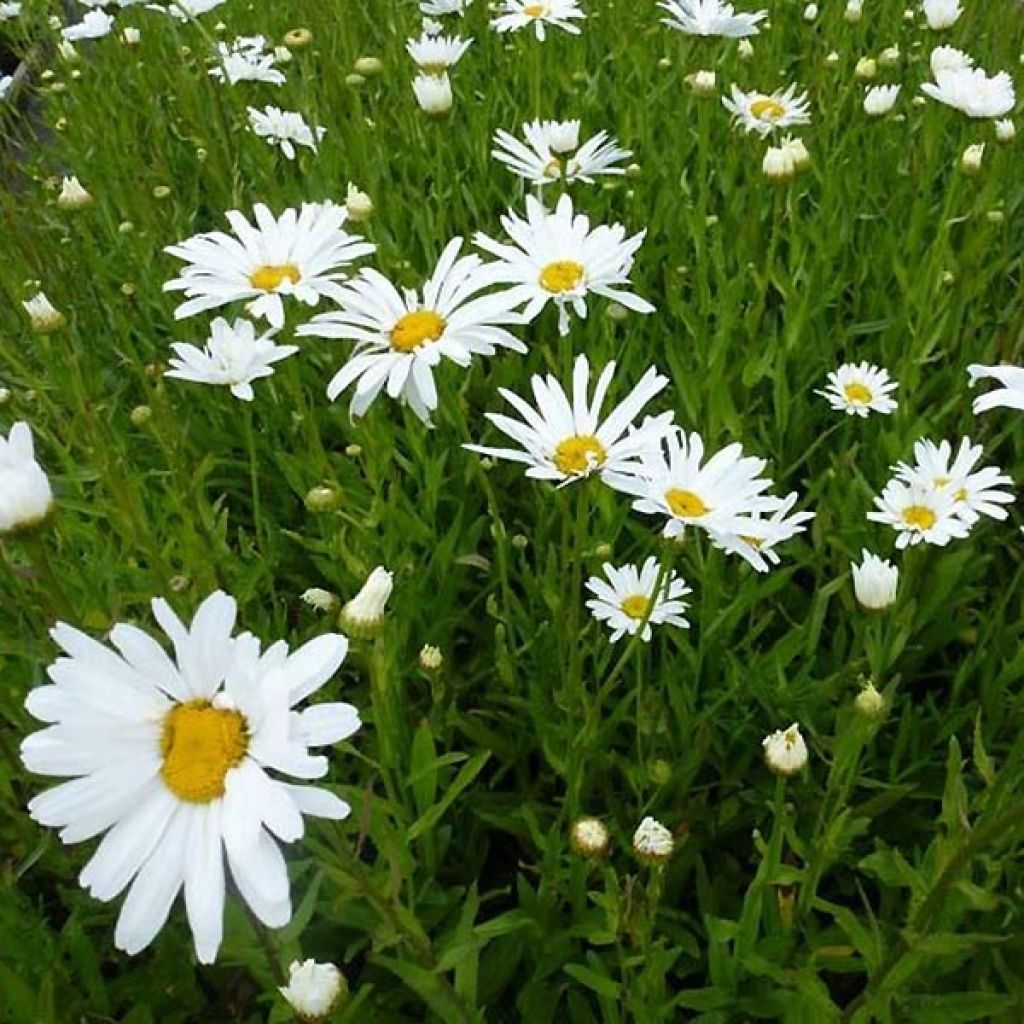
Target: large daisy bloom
{"points": [[918, 512], [973, 92], [553, 153], [556, 257], [173, 758], [435, 54], [297, 254], [860, 388], [401, 336], [285, 129], [25, 494], [766, 112], [1010, 395], [564, 438], [516, 14], [710, 18], [628, 594], [720, 495]]}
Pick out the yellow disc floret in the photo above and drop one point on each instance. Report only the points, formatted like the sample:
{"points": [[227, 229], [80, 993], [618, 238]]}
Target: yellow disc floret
{"points": [[269, 277], [920, 517], [579, 454], [200, 744], [636, 605], [767, 109], [416, 329], [857, 393], [685, 504], [561, 276]]}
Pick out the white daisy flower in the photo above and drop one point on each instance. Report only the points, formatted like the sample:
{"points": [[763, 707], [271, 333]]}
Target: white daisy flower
{"points": [[785, 751], [1010, 395], [652, 842], [949, 58], [43, 314], [553, 153], [437, 8], [919, 513], [6, 81], [313, 989], [941, 14], [9, 10], [860, 388], [880, 99], [94, 25], [233, 357], [516, 14], [764, 113], [364, 614], [720, 496], [556, 257], [297, 254], [25, 493], [874, 581], [975, 494], [973, 92], [435, 54], [762, 532], [245, 60], [433, 93], [285, 129], [184, 10], [401, 336], [564, 439], [431, 27], [630, 593], [176, 759], [710, 18]]}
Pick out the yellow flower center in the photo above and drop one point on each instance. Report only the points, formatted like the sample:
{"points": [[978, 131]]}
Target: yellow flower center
{"points": [[636, 606], [553, 170], [960, 495], [579, 454], [685, 504], [535, 10], [767, 109], [857, 393], [921, 517], [200, 744], [561, 276], [268, 278], [415, 329], [755, 542]]}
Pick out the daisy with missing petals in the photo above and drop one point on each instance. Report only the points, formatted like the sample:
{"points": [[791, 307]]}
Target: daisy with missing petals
{"points": [[553, 153], [246, 60], [556, 257], [297, 254], [763, 532], [285, 129], [629, 594], [919, 513], [972, 91], [233, 357], [176, 760], [764, 113], [401, 336], [720, 496], [710, 18], [860, 388], [1010, 395], [436, 54], [563, 439], [516, 14]]}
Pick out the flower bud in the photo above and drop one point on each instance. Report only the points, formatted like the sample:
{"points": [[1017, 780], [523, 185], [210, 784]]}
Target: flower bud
{"points": [[431, 658], [314, 990], [363, 615], [869, 702], [785, 752], [874, 581], [652, 842], [25, 494], [589, 837]]}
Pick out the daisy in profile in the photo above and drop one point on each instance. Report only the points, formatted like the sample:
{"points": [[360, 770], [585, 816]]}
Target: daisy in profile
{"points": [[553, 153], [1010, 395], [437, 8], [972, 91], [436, 54], [6, 82], [177, 759], [556, 257], [720, 496], [233, 357], [860, 388], [710, 18], [401, 336], [564, 437], [298, 254], [516, 14], [94, 25], [764, 113], [763, 532], [919, 513], [629, 594], [285, 129], [185, 10], [949, 58], [245, 60]]}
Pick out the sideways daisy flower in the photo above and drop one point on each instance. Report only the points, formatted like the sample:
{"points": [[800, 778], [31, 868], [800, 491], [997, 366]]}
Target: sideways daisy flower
{"points": [[764, 113], [285, 129], [185, 10], [949, 58], [860, 388], [1010, 395], [564, 438], [245, 60], [437, 8], [919, 513], [764, 530], [553, 153], [232, 357], [94, 25], [556, 257], [720, 496], [973, 92], [433, 94], [6, 83], [401, 336], [941, 14], [177, 760], [435, 54], [710, 18], [629, 594], [298, 254], [25, 494], [516, 14], [43, 315], [785, 751], [874, 581], [880, 99]]}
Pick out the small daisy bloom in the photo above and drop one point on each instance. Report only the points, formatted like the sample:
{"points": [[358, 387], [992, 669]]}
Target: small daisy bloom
{"points": [[297, 254], [1010, 395], [516, 14], [763, 531], [652, 842], [285, 129], [94, 25], [313, 989], [233, 357], [919, 513], [363, 615], [436, 8], [185, 10], [25, 494], [433, 94], [710, 18], [860, 388], [785, 752], [949, 58], [246, 60], [880, 99], [43, 315], [556, 257], [628, 594], [874, 581], [564, 438], [6, 81], [719, 496], [435, 54], [401, 336], [176, 760], [9, 10], [973, 92], [553, 153], [941, 14], [763, 113], [589, 837]]}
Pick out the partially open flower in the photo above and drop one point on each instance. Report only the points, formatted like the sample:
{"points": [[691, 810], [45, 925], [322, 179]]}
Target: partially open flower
{"points": [[365, 612], [589, 837], [25, 495], [313, 989], [652, 842]]}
